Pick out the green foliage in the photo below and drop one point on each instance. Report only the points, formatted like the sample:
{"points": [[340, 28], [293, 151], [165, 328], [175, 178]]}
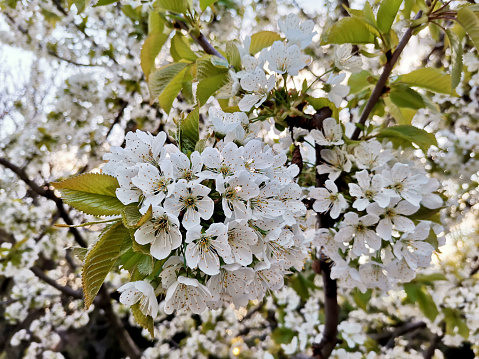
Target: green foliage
{"points": [[132, 218], [79, 4], [359, 81], [180, 49], [262, 39], [210, 78], [319, 103], [233, 54], [175, 6], [427, 214], [429, 78], [189, 131], [417, 293], [470, 23], [352, 30], [387, 13], [166, 82], [282, 335], [405, 135], [105, 2], [150, 50], [361, 299], [402, 115], [454, 319], [302, 285], [205, 3], [91, 193], [456, 58], [403, 96], [100, 260], [145, 321]]}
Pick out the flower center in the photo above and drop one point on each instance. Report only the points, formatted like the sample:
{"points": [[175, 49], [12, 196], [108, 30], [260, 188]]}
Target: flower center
{"points": [[390, 213], [187, 174], [369, 194], [161, 185], [225, 170]]}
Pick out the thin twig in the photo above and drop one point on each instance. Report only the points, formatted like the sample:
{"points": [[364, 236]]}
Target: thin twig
{"points": [[406, 328], [77, 294], [201, 40], [379, 88]]}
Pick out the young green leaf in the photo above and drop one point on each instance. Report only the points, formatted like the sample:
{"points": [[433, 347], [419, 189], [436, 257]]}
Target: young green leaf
{"points": [[145, 321], [100, 260], [262, 39], [150, 50], [234, 57], [166, 83], [456, 57], [348, 30], [210, 79], [405, 135], [180, 49], [105, 2], [403, 116], [403, 96], [319, 103], [132, 218], [189, 131], [176, 6], [387, 13], [470, 23], [428, 78], [359, 81], [205, 3], [91, 193]]}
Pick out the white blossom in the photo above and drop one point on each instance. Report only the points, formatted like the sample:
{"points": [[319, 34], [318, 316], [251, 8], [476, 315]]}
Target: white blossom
{"points": [[331, 133], [368, 189], [286, 59], [328, 198], [260, 85], [187, 294], [299, 33], [357, 227], [140, 291]]}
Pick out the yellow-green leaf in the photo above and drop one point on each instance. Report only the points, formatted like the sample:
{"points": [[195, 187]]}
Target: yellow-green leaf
{"points": [[91, 193], [262, 39], [145, 321], [132, 218], [156, 23], [100, 260], [166, 82], [350, 30], [176, 6], [456, 58], [233, 54], [429, 78], [470, 23], [150, 50], [180, 49], [319, 103], [405, 135], [189, 131], [387, 13], [405, 97], [205, 3]]}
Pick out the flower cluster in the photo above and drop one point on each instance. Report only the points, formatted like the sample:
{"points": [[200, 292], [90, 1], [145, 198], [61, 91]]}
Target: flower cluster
{"points": [[224, 220], [381, 199]]}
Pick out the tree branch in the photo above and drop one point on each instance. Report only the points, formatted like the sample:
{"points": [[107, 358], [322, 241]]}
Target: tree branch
{"points": [[381, 84], [201, 40], [406, 328], [77, 294]]}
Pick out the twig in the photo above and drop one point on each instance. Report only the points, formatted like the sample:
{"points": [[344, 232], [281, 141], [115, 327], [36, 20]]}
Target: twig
{"points": [[201, 40], [118, 117], [379, 88], [434, 343], [77, 294], [406, 328]]}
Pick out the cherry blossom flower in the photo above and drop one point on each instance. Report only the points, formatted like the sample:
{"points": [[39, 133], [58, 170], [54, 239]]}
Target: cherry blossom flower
{"points": [[324, 239], [187, 294], [235, 194], [267, 276], [153, 182], [393, 215], [331, 133], [170, 269], [127, 192], [337, 91], [328, 198], [286, 59], [413, 247], [344, 60], [290, 196], [228, 124], [185, 169], [266, 204], [430, 199], [371, 155], [356, 227], [368, 189], [240, 238], [204, 249], [140, 291], [373, 275], [162, 231], [260, 85], [193, 199], [230, 285], [336, 160], [225, 163], [400, 181], [299, 33], [348, 276]]}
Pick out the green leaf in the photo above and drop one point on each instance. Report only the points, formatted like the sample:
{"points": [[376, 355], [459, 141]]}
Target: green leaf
{"points": [[470, 23], [429, 277], [201, 145], [429, 78], [405, 135], [417, 293], [79, 4], [210, 79], [176, 6], [166, 83], [145, 265], [427, 214], [132, 218], [361, 299], [233, 55], [359, 81], [282, 335], [262, 39], [319, 103], [150, 50], [454, 319], [456, 58], [350, 30], [79, 252], [180, 49], [91, 193], [205, 3], [105, 2], [387, 13], [156, 23], [403, 96], [302, 285], [100, 260], [189, 131], [145, 321], [403, 116]]}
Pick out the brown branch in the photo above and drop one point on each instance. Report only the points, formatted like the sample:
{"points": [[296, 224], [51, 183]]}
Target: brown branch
{"points": [[433, 344], [77, 294], [406, 328], [381, 84], [118, 117], [200, 39]]}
